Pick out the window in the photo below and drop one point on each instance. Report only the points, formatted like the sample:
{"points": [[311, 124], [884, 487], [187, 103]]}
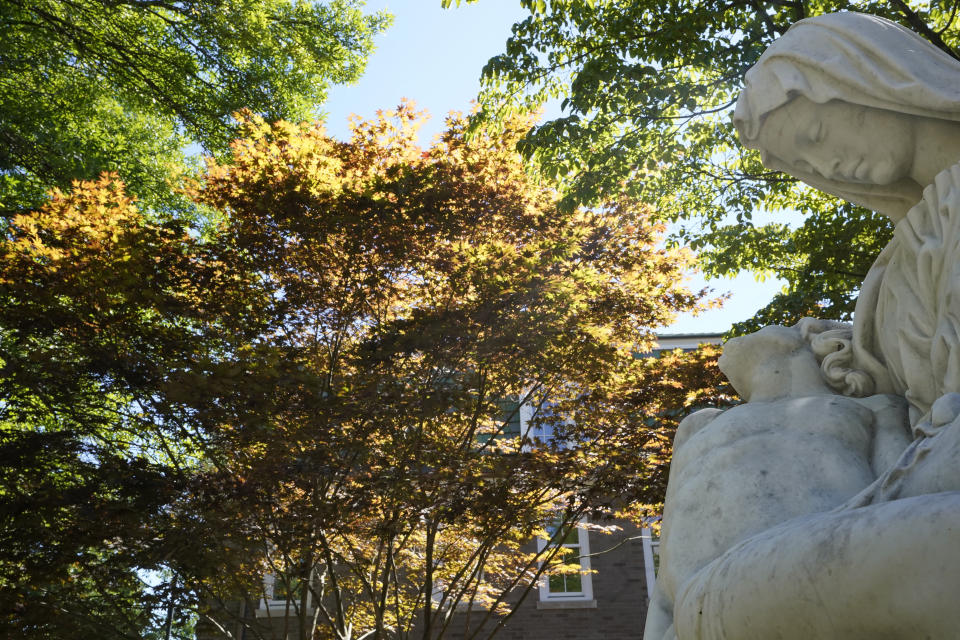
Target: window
{"points": [[543, 429], [537, 432], [574, 583], [473, 597], [281, 595]]}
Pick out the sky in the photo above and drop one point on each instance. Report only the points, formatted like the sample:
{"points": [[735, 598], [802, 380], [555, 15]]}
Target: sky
{"points": [[434, 56]]}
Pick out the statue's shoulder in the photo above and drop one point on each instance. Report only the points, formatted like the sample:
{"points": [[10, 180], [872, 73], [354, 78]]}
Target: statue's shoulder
{"points": [[883, 402], [694, 423]]}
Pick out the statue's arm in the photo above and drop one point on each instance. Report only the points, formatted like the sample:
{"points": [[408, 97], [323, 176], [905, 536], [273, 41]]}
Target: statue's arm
{"points": [[692, 424], [891, 430], [659, 625], [887, 570]]}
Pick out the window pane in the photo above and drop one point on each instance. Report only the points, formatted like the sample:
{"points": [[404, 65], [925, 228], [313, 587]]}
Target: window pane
{"points": [[566, 576], [569, 580], [557, 584], [287, 588], [571, 538], [571, 556]]}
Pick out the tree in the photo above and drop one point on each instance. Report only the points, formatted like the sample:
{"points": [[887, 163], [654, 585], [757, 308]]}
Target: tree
{"points": [[324, 388], [123, 86], [670, 386], [647, 90], [419, 298], [101, 310], [97, 313]]}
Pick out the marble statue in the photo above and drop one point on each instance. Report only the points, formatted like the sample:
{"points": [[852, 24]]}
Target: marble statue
{"points": [[798, 446], [837, 517]]}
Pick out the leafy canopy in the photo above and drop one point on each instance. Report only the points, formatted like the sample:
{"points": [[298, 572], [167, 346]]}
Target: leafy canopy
{"points": [[647, 89], [419, 297], [124, 86], [100, 310], [325, 387]]}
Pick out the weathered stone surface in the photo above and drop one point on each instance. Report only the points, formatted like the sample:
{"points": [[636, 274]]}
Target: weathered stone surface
{"points": [[797, 447], [828, 505]]}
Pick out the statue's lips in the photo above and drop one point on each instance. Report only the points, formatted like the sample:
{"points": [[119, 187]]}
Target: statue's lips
{"points": [[858, 171], [861, 172]]}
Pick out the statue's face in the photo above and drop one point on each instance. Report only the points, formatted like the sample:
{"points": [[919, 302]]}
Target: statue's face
{"points": [[840, 141], [748, 360]]}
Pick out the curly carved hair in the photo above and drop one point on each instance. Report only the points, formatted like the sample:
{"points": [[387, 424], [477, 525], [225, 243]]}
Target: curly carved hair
{"points": [[832, 344]]}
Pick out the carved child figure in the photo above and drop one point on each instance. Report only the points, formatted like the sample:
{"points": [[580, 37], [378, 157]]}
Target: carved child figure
{"points": [[795, 448]]}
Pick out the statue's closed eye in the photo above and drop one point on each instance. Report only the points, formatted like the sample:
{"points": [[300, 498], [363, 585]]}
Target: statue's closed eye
{"points": [[816, 132]]}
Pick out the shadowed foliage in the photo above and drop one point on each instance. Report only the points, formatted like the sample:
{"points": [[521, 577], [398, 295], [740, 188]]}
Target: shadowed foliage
{"points": [[647, 89], [324, 387]]}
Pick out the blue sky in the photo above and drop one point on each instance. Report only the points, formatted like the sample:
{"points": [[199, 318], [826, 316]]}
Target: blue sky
{"points": [[431, 55], [434, 56]]}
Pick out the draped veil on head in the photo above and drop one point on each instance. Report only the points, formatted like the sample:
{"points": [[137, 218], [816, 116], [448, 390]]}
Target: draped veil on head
{"points": [[862, 60]]}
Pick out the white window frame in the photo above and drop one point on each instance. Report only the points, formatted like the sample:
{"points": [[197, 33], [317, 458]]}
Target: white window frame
{"points": [[651, 550], [527, 432], [585, 595]]}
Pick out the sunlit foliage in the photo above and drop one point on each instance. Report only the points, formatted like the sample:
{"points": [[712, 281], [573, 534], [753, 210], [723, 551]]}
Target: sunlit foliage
{"points": [[324, 387], [413, 291], [123, 86]]}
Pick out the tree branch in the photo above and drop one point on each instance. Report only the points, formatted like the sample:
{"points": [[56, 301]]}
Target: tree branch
{"points": [[920, 26]]}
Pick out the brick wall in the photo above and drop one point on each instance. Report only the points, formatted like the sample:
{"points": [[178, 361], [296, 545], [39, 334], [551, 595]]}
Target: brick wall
{"points": [[619, 590]]}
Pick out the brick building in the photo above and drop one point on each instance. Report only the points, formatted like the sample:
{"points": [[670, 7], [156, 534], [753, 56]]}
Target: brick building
{"points": [[613, 606]]}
